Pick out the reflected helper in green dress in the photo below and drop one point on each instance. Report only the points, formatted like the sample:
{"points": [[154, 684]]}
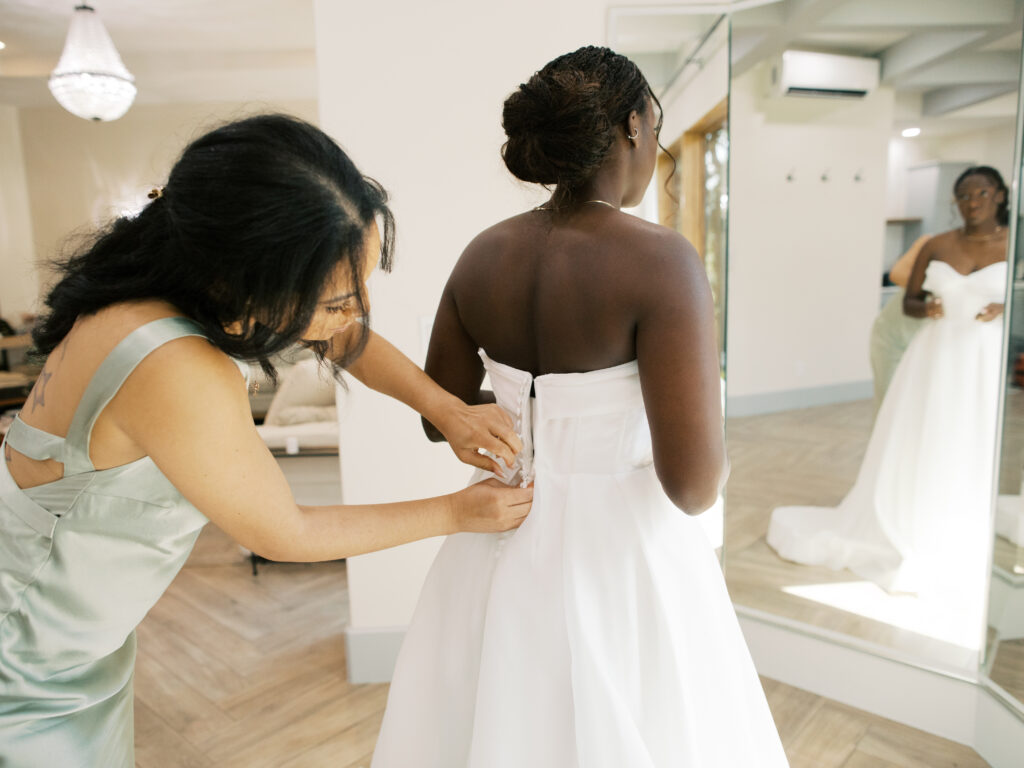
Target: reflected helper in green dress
{"points": [[893, 330]]}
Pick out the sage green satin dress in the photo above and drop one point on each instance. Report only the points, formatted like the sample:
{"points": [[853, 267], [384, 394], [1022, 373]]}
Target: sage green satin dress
{"points": [[891, 334], [82, 560]]}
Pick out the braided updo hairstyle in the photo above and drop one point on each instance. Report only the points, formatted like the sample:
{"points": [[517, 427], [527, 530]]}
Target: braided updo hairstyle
{"points": [[561, 123]]}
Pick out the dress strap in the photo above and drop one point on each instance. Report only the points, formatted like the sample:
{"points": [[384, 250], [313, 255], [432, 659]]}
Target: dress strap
{"points": [[33, 442], [109, 377]]}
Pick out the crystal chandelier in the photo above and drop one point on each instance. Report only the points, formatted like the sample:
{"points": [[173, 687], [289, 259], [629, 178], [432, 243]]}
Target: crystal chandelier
{"points": [[90, 80]]}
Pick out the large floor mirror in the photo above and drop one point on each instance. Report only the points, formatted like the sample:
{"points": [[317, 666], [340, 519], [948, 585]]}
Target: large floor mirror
{"points": [[863, 441], [819, 147], [1004, 658]]}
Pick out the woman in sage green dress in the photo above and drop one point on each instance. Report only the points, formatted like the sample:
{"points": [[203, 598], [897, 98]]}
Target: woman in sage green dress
{"points": [[893, 329], [138, 430]]}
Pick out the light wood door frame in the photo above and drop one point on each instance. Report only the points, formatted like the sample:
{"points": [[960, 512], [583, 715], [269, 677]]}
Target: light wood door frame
{"points": [[686, 214]]}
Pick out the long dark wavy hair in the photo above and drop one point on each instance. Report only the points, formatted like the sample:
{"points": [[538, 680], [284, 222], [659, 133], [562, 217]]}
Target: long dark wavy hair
{"points": [[254, 220], [561, 123], [990, 173]]}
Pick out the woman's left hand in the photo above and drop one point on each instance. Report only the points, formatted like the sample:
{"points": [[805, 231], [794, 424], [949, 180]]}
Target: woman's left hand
{"points": [[468, 428], [989, 313]]}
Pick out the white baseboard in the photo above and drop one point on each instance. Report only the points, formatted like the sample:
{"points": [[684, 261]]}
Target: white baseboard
{"points": [[945, 703], [999, 729], [793, 399], [940, 702], [371, 653]]}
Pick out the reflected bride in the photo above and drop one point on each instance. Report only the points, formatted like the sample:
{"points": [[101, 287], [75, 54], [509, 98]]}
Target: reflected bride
{"points": [[916, 519]]}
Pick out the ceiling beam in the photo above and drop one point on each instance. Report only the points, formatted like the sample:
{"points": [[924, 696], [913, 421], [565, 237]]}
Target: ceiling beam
{"points": [[922, 14], [924, 49], [970, 68], [942, 101], [799, 17]]}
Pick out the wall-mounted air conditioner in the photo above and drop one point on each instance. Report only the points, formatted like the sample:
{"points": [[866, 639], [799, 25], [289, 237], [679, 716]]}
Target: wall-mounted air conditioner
{"points": [[804, 73]]}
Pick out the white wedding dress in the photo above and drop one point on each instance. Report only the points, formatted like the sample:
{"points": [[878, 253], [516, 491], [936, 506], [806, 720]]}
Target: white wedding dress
{"points": [[599, 634], [918, 518]]}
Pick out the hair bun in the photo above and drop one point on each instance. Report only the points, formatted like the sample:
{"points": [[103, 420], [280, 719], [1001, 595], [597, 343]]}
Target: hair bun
{"points": [[558, 129]]}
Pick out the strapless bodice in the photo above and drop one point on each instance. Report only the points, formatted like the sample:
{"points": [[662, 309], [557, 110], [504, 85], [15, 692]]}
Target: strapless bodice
{"points": [[964, 296], [576, 423]]}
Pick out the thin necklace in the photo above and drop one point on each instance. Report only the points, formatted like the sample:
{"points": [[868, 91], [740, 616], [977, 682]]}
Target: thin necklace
{"points": [[602, 202], [981, 238]]}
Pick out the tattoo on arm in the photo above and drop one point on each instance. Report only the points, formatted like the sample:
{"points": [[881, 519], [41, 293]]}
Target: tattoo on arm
{"points": [[39, 390]]}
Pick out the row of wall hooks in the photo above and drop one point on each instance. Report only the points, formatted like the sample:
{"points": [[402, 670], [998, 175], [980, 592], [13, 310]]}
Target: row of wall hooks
{"points": [[826, 176]]}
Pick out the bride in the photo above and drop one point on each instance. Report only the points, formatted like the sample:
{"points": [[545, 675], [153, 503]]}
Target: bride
{"points": [[917, 517], [601, 634]]}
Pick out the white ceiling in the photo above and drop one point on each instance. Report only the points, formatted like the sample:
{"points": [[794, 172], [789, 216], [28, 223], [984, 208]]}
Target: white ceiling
{"points": [[958, 59], [178, 50]]}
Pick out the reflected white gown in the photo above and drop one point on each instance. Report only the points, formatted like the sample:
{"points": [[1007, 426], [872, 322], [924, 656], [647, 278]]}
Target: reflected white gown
{"points": [[600, 634], [918, 517]]}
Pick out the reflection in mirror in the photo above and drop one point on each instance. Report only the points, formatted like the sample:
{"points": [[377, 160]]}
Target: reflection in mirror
{"points": [[1004, 662], [866, 279]]}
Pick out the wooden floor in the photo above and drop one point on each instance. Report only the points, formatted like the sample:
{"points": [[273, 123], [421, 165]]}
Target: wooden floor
{"points": [[235, 670], [814, 457]]}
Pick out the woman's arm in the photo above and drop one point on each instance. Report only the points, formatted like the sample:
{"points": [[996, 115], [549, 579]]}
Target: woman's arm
{"points": [[466, 427], [677, 353], [916, 301], [900, 272], [185, 406]]}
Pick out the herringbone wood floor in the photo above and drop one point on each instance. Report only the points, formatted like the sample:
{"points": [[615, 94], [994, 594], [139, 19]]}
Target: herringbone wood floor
{"points": [[242, 671], [805, 457]]}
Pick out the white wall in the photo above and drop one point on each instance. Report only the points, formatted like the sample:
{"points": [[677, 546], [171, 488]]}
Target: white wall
{"points": [[80, 174], [804, 255], [414, 92], [18, 283], [993, 146]]}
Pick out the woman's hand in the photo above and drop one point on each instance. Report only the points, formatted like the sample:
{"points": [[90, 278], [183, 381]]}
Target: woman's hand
{"points": [[990, 313], [490, 507], [933, 307], [468, 428]]}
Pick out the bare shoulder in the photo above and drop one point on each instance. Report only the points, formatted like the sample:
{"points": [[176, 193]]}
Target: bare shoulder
{"points": [[188, 369], [658, 243], [497, 238], [665, 262], [940, 242]]}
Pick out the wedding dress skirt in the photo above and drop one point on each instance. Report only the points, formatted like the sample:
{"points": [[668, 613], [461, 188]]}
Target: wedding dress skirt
{"points": [[599, 634], [918, 518]]}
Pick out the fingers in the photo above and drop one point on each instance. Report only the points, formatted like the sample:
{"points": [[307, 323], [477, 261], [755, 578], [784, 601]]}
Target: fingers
{"points": [[520, 502], [510, 438], [500, 415], [501, 426], [480, 461], [520, 496], [499, 449]]}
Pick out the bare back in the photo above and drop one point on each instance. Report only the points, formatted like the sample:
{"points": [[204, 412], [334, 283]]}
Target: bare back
{"points": [[588, 291], [555, 297]]}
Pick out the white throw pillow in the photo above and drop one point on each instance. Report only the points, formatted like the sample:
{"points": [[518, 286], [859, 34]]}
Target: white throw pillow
{"points": [[305, 392]]}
